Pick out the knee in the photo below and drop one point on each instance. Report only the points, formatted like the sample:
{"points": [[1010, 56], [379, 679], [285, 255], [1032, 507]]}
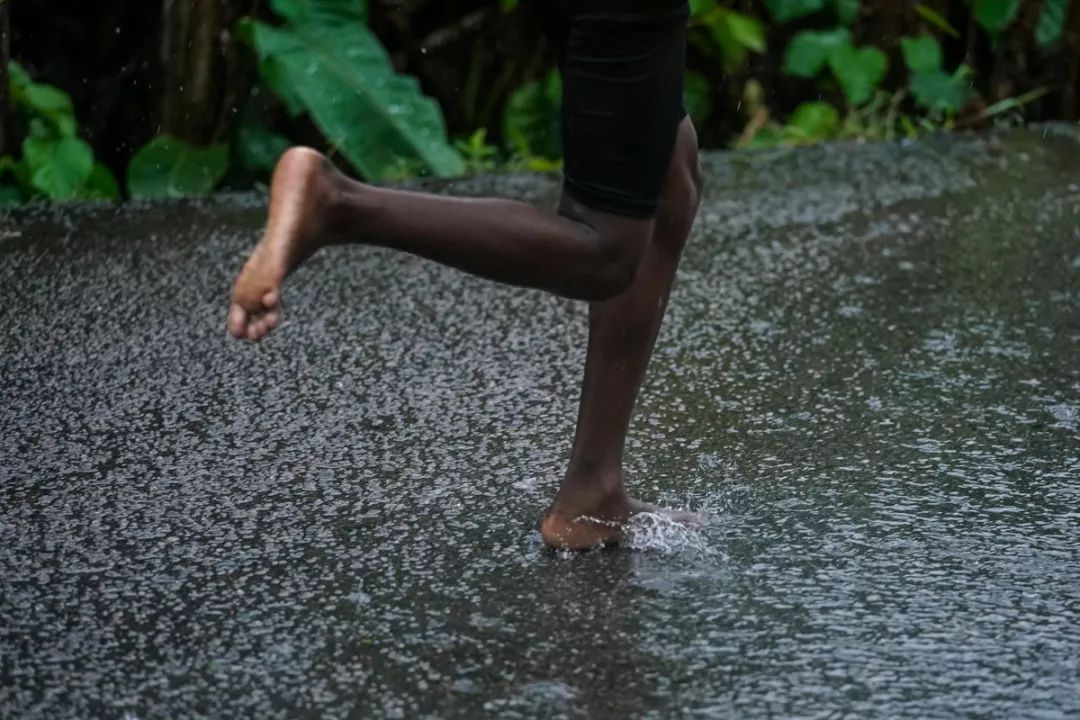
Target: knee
{"points": [[689, 174], [618, 257], [685, 179]]}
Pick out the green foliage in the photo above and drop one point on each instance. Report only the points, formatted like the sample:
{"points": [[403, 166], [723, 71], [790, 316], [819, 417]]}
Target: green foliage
{"points": [[847, 11], [259, 148], [730, 34], [1051, 22], [859, 71], [321, 13], [812, 122], [55, 163], [326, 62], [532, 123], [58, 166], [995, 15], [809, 51], [922, 54], [932, 87], [787, 10], [697, 99], [480, 157], [933, 17], [167, 167]]}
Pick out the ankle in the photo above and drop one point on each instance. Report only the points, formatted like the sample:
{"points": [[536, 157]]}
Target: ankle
{"points": [[579, 494]]}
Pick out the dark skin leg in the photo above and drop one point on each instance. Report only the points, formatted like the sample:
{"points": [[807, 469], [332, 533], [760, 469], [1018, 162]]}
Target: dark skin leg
{"points": [[580, 253], [592, 505]]}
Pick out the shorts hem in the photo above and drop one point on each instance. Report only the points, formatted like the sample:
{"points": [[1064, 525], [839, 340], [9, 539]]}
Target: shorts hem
{"points": [[610, 202]]}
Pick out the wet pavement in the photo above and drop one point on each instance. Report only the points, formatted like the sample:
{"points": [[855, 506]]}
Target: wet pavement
{"points": [[868, 380]]}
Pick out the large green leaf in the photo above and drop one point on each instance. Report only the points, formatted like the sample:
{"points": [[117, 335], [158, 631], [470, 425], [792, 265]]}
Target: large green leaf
{"points": [[57, 167], [1051, 22], [922, 54], [168, 167], [342, 76], [859, 71], [809, 50], [995, 15], [321, 13], [788, 10]]}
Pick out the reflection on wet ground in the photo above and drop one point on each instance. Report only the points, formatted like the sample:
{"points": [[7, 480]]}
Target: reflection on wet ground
{"points": [[868, 380]]}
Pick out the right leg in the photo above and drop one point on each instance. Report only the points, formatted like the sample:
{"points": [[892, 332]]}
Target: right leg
{"points": [[592, 506], [582, 253]]}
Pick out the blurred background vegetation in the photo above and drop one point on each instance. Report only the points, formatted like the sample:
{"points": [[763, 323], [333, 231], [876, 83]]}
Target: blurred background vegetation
{"points": [[130, 98]]}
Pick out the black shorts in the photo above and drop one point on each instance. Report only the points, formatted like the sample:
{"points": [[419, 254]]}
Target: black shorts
{"points": [[622, 63]]}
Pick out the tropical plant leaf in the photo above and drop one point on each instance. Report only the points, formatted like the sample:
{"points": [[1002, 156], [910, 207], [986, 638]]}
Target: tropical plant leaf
{"points": [[935, 18], [342, 76], [922, 54], [809, 50], [1051, 24], [168, 167], [995, 15], [323, 13], [859, 71], [57, 167], [788, 10]]}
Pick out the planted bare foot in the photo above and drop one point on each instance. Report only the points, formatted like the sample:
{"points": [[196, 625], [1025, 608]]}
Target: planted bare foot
{"points": [[597, 524], [300, 192]]}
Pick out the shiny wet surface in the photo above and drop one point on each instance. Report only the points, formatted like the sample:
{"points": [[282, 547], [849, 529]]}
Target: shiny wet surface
{"points": [[868, 380]]}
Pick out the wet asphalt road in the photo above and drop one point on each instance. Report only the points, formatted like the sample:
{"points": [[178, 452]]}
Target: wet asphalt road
{"points": [[868, 380]]}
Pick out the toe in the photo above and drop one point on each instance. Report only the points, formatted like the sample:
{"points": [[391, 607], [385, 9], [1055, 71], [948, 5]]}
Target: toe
{"points": [[270, 299], [252, 332], [237, 320], [273, 319]]}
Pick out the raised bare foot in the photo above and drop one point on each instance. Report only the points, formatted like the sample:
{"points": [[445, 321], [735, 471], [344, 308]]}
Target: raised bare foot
{"points": [[300, 192], [603, 524]]}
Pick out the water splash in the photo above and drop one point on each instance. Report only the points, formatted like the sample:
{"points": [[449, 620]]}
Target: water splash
{"points": [[661, 533]]}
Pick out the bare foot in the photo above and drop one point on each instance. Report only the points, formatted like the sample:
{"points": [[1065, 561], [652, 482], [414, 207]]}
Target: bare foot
{"points": [[602, 525], [300, 192]]}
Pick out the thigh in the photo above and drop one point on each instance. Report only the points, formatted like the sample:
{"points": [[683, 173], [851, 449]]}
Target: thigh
{"points": [[622, 101]]}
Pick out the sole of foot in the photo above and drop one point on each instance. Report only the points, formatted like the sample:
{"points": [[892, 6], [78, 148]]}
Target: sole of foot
{"points": [[602, 527], [299, 193]]}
